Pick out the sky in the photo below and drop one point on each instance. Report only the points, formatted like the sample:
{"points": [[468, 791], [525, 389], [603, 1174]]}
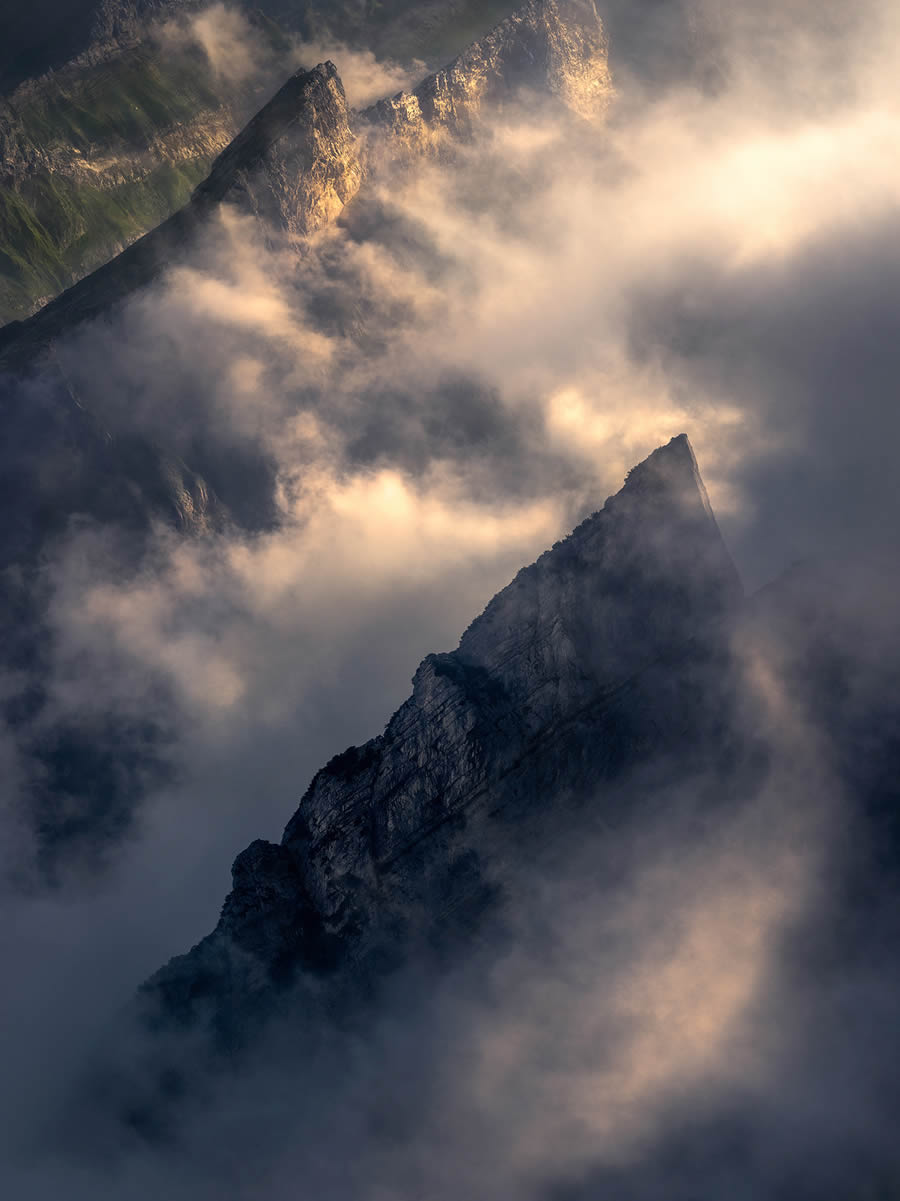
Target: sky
{"points": [[429, 407]]}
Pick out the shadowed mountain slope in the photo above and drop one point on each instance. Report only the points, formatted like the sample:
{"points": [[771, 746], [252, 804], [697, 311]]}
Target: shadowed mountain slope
{"points": [[622, 670], [590, 663]]}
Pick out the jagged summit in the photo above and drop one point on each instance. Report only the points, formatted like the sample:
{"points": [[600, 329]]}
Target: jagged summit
{"points": [[664, 491], [555, 46], [295, 164], [581, 668]]}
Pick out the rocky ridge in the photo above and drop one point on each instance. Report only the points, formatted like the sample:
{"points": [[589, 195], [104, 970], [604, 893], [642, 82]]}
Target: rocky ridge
{"points": [[114, 111], [556, 46], [590, 663], [301, 159], [110, 131], [295, 164]]}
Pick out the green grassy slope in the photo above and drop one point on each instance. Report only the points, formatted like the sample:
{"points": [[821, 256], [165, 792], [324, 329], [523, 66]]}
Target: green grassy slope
{"points": [[125, 100], [52, 231]]}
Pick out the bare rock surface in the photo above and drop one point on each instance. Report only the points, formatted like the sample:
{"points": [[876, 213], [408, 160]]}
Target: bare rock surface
{"points": [[295, 165], [582, 668]]}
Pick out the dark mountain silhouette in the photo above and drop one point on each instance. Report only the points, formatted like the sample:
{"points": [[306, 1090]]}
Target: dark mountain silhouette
{"points": [[618, 671]]}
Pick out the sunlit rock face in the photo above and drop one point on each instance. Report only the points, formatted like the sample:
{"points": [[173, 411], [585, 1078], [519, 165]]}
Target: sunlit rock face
{"points": [[555, 46], [590, 662], [295, 165], [299, 162]]}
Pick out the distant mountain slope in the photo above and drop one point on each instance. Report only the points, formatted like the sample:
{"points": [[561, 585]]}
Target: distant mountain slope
{"points": [[108, 146], [296, 164], [115, 138], [303, 135], [76, 451]]}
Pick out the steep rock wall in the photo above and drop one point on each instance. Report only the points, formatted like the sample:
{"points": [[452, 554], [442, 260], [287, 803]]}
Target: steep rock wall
{"points": [[588, 664]]}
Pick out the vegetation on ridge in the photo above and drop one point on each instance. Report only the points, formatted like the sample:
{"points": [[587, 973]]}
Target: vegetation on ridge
{"points": [[82, 177], [81, 181]]}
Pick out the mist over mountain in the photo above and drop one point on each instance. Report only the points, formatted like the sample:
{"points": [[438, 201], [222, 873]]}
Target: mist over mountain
{"points": [[141, 98], [290, 173], [113, 112], [633, 800], [609, 905]]}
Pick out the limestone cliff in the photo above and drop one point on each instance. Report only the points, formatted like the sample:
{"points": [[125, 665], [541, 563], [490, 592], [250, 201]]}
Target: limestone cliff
{"points": [[581, 669]]}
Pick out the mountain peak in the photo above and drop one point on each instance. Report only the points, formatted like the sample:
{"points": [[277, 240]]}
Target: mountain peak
{"points": [[659, 529], [295, 163], [672, 467], [566, 681], [553, 46]]}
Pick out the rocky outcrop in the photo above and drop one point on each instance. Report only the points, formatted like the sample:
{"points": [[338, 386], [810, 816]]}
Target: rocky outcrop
{"points": [[295, 165], [584, 667], [554, 46]]}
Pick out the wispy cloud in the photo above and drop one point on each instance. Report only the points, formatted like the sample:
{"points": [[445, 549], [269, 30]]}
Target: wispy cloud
{"points": [[424, 409]]}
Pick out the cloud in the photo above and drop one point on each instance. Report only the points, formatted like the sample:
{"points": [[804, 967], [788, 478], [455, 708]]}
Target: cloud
{"points": [[365, 77], [396, 417]]}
